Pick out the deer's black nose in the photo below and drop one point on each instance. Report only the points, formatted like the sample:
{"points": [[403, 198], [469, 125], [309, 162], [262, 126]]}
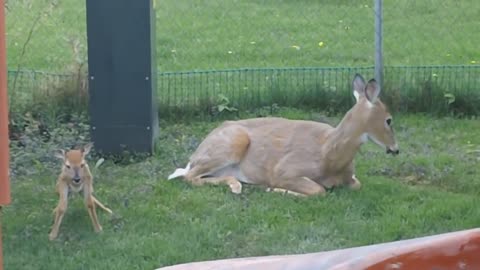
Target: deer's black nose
{"points": [[393, 152], [76, 179]]}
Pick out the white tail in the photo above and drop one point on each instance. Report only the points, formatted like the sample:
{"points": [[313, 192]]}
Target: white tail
{"points": [[304, 157], [179, 172]]}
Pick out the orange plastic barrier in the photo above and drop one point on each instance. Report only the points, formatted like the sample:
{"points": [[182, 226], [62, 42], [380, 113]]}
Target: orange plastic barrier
{"points": [[456, 250], [4, 153]]}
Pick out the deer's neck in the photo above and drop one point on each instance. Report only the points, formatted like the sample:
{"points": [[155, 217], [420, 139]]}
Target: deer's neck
{"points": [[344, 142]]}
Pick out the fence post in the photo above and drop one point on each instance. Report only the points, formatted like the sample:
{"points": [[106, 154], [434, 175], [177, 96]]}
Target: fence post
{"points": [[4, 151], [379, 42], [122, 75]]}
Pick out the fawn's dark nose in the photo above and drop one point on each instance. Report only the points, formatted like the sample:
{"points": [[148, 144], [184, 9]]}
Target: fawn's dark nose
{"points": [[76, 179]]}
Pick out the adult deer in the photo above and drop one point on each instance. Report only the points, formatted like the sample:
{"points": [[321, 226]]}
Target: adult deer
{"points": [[301, 157]]}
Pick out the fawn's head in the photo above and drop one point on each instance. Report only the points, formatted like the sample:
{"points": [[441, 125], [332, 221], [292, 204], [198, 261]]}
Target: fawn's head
{"points": [[74, 162], [374, 114]]}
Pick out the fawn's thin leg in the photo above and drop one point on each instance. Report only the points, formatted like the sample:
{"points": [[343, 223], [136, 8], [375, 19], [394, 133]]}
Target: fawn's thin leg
{"points": [[59, 210], [231, 181], [97, 202], [90, 204]]}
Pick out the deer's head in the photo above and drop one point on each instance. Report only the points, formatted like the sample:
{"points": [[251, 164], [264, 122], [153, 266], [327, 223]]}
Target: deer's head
{"points": [[74, 163], [374, 114]]}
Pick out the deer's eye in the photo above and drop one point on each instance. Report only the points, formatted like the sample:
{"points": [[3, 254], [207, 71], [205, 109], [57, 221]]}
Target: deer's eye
{"points": [[68, 166], [389, 121], [82, 165]]}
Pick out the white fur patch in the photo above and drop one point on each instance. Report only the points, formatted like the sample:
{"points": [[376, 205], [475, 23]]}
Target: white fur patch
{"points": [[376, 141], [364, 138], [369, 104], [179, 172], [356, 95], [76, 188]]}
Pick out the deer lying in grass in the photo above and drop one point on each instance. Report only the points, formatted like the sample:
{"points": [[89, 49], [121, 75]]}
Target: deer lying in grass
{"points": [[300, 157], [75, 177]]}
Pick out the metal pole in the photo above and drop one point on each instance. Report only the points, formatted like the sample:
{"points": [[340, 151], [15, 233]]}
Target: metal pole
{"points": [[379, 42], [4, 151]]}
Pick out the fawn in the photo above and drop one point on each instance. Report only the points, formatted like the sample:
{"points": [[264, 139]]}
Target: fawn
{"points": [[75, 177]]}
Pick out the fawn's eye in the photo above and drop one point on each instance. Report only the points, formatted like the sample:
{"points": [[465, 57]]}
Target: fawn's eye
{"points": [[82, 165], [389, 121], [68, 166]]}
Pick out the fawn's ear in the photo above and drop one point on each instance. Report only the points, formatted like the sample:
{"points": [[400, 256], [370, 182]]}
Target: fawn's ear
{"points": [[60, 154], [86, 148]]}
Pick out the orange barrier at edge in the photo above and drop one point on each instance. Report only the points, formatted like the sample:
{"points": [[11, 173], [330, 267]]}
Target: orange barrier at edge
{"points": [[448, 251], [4, 151]]}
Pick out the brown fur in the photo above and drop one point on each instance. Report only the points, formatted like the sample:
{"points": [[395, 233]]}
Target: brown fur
{"points": [[302, 157], [75, 167]]}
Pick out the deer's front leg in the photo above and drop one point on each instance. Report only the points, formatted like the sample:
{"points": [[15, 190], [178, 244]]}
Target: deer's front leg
{"points": [[60, 209], [91, 207], [354, 183], [300, 186], [350, 179]]}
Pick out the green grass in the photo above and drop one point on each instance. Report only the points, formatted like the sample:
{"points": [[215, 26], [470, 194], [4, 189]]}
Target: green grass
{"points": [[215, 34], [431, 187]]}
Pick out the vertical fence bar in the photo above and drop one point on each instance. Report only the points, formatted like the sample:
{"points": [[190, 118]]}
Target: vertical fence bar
{"points": [[4, 151], [379, 41]]}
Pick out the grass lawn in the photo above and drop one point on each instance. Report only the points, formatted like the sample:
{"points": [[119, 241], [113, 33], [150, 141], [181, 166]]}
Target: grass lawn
{"points": [[216, 34], [431, 187]]}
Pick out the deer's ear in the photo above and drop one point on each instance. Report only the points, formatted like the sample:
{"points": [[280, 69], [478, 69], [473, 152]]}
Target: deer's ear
{"points": [[358, 86], [86, 148], [60, 154], [372, 90]]}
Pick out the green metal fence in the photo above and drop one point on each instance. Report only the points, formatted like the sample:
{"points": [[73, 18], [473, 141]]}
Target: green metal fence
{"points": [[435, 89], [252, 88], [37, 92]]}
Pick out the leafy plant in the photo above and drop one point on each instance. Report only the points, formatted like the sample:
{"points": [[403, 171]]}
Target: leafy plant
{"points": [[224, 104], [449, 97]]}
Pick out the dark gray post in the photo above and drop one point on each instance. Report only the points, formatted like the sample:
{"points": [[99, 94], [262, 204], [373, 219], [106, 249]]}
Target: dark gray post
{"points": [[379, 41], [122, 75]]}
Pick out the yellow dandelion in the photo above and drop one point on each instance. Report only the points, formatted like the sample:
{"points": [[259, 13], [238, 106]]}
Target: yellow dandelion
{"points": [[473, 62], [320, 44]]}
